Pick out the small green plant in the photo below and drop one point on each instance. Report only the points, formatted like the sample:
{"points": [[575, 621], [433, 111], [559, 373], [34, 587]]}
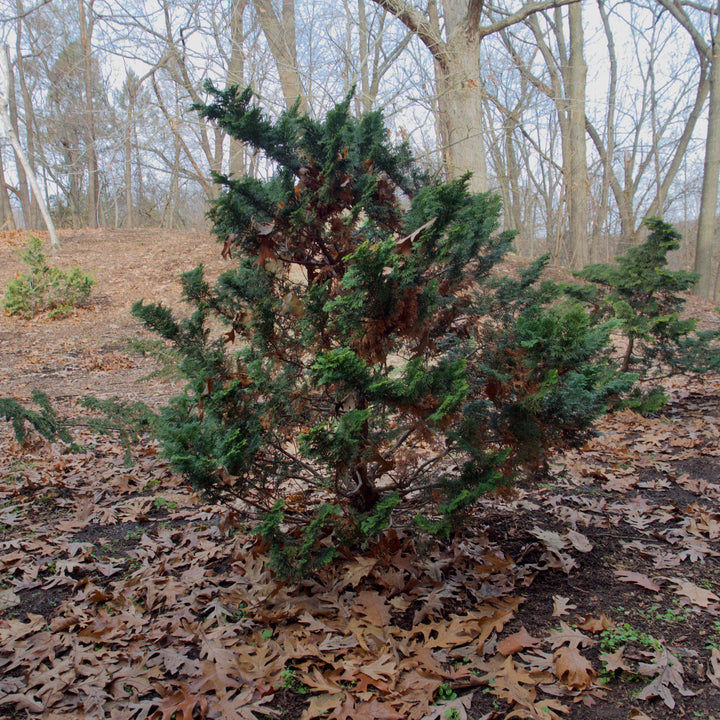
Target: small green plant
{"points": [[714, 641], [135, 534], [45, 421], [452, 714], [614, 638], [161, 503], [445, 693], [45, 288], [291, 682], [676, 614], [241, 612]]}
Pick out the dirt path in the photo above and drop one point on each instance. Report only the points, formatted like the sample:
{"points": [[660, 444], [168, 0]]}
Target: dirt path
{"points": [[86, 353]]}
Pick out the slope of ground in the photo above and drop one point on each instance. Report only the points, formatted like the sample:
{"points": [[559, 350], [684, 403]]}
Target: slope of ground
{"points": [[123, 595]]}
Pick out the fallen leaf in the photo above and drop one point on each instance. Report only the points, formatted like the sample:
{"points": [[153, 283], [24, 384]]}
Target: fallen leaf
{"points": [[572, 668], [373, 607], [183, 701], [579, 541], [322, 704], [516, 642], [561, 606], [551, 540], [667, 670], [636, 714], [8, 599], [637, 578], [376, 710], [595, 625], [612, 662], [697, 595], [713, 674], [23, 701], [570, 636]]}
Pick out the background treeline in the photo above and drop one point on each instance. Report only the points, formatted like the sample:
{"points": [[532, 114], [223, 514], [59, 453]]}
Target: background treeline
{"points": [[585, 117]]}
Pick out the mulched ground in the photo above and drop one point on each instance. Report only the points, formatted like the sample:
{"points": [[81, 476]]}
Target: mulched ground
{"points": [[123, 595]]}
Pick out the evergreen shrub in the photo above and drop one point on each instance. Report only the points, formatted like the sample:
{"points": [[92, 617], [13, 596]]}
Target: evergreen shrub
{"points": [[373, 365], [45, 288], [646, 299]]}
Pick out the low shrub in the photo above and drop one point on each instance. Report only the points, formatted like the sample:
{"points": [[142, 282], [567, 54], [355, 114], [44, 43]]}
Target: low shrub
{"points": [[45, 288]]}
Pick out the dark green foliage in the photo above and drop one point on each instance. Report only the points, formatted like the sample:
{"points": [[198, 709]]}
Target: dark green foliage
{"points": [[45, 422], [643, 297], [128, 421], [371, 365], [45, 288]]}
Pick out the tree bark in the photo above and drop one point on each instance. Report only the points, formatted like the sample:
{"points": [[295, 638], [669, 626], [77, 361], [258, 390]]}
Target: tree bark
{"points": [[31, 210], [8, 130], [93, 192], [7, 219], [235, 73], [280, 35], [576, 180], [705, 241], [705, 244]]}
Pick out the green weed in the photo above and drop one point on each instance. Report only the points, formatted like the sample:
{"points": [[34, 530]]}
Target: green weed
{"points": [[614, 638]]}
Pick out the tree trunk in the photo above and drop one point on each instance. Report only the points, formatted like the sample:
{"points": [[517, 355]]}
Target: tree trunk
{"points": [[23, 186], [9, 131], [460, 107], [31, 208], [280, 35], [7, 219], [711, 169], [93, 193], [130, 121], [576, 181], [236, 69]]}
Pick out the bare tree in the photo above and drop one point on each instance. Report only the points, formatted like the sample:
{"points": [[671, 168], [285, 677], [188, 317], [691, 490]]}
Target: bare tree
{"points": [[709, 51], [453, 39], [9, 132], [279, 29], [87, 24]]}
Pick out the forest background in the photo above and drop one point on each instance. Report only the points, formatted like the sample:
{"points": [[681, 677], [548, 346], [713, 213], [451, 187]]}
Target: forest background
{"points": [[585, 116]]}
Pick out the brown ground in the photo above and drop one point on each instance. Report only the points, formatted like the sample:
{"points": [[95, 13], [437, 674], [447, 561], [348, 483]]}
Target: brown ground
{"points": [[593, 596]]}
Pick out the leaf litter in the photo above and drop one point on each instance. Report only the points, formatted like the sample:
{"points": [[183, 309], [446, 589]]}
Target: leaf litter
{"points": [[123, 595]]}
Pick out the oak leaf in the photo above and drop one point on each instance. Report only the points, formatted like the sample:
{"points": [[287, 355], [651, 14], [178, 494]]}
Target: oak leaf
{"points": [[637, 578], [183, 701], [612, 662], [697, 595], [579, 541], [595, 625], [376, 710], [324, 703], [561, 606], [667, 670], [713, 673], [372, 606], [516, 642], [570, 636], [573, 669]]}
